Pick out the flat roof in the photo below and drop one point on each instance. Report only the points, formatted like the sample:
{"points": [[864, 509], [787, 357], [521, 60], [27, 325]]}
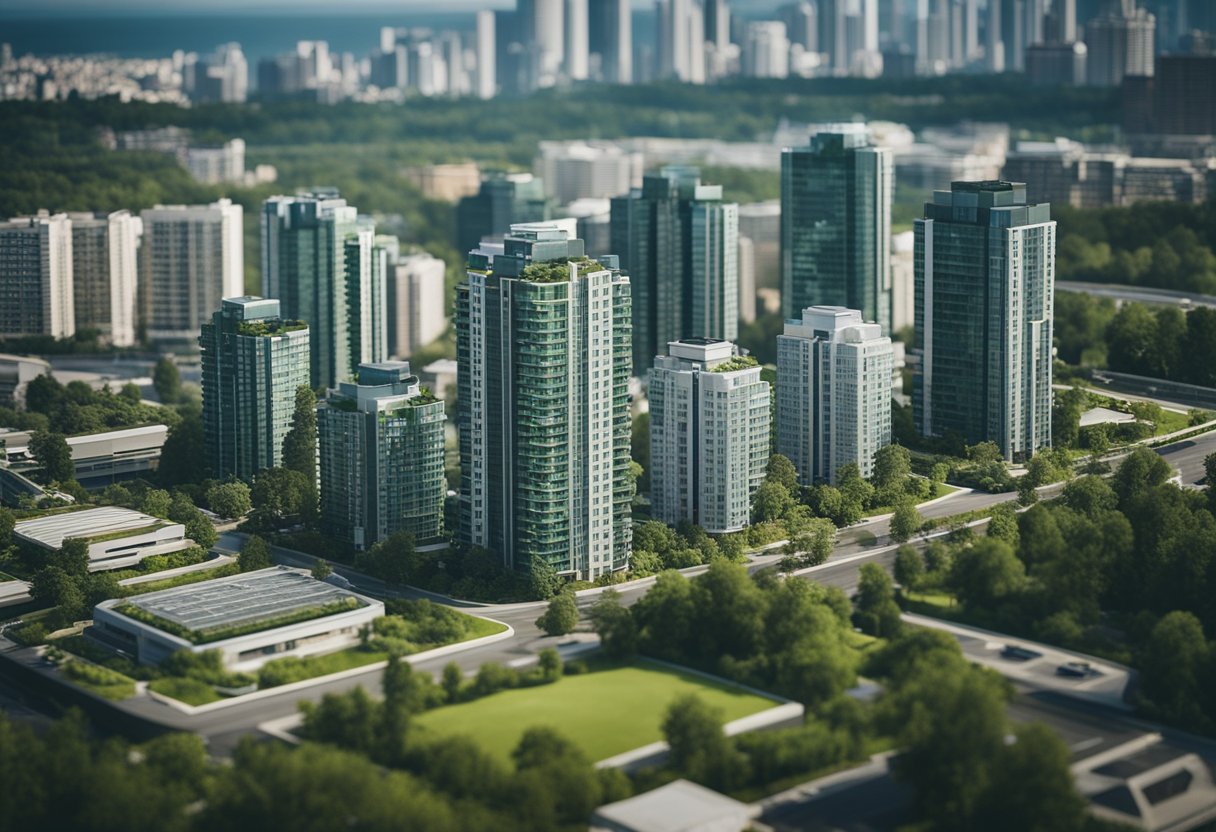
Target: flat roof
{"points": [[679, 805], [240, 599], [52, 530]]}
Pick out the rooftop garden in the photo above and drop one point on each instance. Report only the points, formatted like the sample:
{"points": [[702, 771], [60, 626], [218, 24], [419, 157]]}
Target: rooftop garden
{"points": [[739, 362], [225, 631], [102, 537], [268, 327], [557, 271]]}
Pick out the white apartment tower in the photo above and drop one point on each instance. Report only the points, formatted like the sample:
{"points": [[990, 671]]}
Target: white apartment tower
{"points": [[833, 392], [416, 314], [709, 434], [193, 257], [105, 273], [36, 277]]}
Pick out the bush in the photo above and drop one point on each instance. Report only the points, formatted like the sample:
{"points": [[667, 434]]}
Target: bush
{"points": [[491, 678]]}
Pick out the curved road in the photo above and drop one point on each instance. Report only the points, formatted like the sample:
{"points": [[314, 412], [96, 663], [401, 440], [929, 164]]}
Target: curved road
{"points": [[225, 726]]}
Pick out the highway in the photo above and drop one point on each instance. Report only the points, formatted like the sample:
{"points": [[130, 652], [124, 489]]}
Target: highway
{"points": [[224, 727], [1138, 294]]}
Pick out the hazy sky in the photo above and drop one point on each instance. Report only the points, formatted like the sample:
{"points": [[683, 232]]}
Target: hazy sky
{"points": [[98, 8]]}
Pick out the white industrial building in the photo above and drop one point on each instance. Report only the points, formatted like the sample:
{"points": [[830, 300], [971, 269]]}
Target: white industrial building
{"points": [[709, 434], [833, 392], [117, 537], [301, 616]]}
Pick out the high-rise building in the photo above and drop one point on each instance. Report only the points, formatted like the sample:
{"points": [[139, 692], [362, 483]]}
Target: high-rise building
{"points": [[381, 450], [577, 48], [1120, 43], [836, 225], [984, 261], [542, 344], [218, 164], [191, 258], [416, 309], [833, 392], [709, 434], [766, 53], [679, 242], [318, 259], [105, 273], [486, 84], [680, 44], [253, 361], [36, 295], [612, 28], [504, 200], [584, 170]]}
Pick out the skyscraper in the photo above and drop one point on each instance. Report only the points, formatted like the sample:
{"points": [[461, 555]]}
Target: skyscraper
{"points": [[317, 258], [381, 451], [709, 434], [486, 84], [984, 262], [836, 226], [36, 277], [192, 257], [542, 344], [416, 309], [105, 273], [612, 28], [1120, 43], [253, 361], [504, 199], [679, 242], [833, 392]]}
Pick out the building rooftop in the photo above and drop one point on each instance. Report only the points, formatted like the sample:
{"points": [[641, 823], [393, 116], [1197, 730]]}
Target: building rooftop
{"points": [[269, 595], [50, 531], [680, 805]]}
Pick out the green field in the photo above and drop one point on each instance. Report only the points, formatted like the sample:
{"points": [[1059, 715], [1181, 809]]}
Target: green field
{"points": [[606, 712]]}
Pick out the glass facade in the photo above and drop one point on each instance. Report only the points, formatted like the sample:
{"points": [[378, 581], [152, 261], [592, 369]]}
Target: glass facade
{"points": [[543, 348], [252, 363], [836, 226], [984, 273]]}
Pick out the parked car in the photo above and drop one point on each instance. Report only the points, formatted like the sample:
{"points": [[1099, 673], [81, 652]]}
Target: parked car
{"points": [[1018, 654]]}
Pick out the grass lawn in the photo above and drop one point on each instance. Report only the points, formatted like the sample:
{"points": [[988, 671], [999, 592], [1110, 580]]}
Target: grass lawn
{"points": [[189, 691], [102, 681], [607, 712], [940, 490], [936, 603], [482, 627]]}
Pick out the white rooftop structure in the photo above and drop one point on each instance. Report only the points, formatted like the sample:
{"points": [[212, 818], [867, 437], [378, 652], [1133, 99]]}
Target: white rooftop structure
{"points": [[103, 528], [680, 806]]}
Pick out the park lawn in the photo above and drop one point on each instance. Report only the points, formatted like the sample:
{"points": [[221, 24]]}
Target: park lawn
{"points": [[605, 712], [482, 627], [189, 691], [936, 604]]}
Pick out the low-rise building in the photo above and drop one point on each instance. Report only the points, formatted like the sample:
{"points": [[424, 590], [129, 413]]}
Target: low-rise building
{"points": [[117, 537], [100, 458], [16, 372], [250, 618], [680, 806]]}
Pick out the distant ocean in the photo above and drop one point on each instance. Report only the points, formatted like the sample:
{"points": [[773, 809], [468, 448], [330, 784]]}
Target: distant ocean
{"points": [[260, 36]]}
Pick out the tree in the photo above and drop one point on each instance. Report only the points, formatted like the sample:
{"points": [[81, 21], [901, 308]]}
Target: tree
{"points": [[877, 612], [543, 578], [561, 617], [781, 471], [614, 625], [394, 560], [892, 468], [167, 381], [7, 521], [53, 454], [699, 749], [321, 569], [1039, 536], [198, 527], [1140, 471], [770, 502], [906, 521], [72, 556], [230, 499], [1172, 664], [255, 554], [453, 681], [183, 458], [1031, 786], [550, 663], [52, 585], [280, 493], [1003, 524], [909, 567], [300, 443], [986, 573], [814, 542], [156, 502]]}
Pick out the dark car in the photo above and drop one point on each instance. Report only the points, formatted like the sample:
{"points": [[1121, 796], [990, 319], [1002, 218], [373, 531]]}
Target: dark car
{"points": [[1076, 670], [1018, 654]]}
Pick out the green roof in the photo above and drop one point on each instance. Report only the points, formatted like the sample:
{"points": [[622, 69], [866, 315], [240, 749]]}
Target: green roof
{"points": [[557, 271], [739, 362]]}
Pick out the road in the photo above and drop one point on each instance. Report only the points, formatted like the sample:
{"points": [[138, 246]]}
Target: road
{"points": [[1138, 294], [225, 726]]}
